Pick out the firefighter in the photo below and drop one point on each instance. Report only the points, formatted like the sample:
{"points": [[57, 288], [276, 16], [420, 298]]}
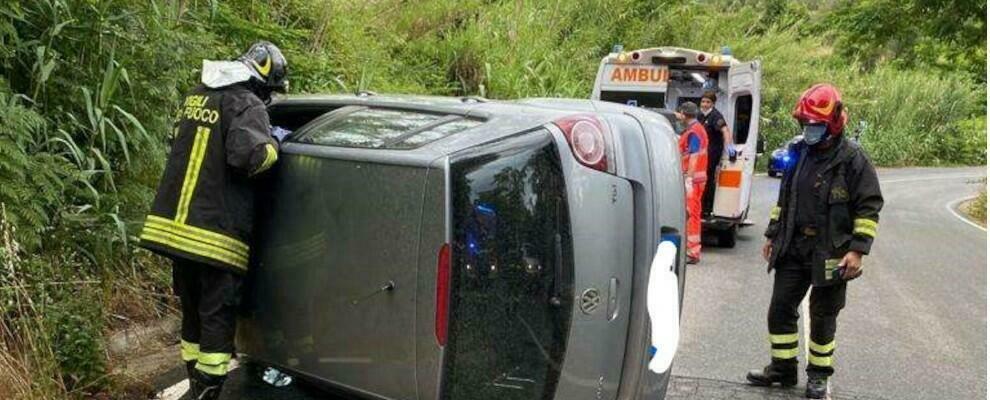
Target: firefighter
{"points": [[202, 215], [719, 142], [824, 222], [694, 164]]}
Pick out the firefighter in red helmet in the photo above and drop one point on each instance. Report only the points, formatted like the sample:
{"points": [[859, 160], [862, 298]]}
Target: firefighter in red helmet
{"points": [[824, 222]]}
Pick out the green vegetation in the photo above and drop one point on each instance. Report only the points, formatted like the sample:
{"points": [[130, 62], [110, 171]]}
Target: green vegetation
{"points": [[977, 209], [87, 88]]}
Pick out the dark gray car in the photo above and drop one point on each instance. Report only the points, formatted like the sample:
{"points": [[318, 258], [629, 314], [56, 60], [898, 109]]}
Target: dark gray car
{"points": [[446, 248]]}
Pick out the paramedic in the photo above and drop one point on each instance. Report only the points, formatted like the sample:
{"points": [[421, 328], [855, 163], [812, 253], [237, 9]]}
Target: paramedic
{"points": [[693, 144], [719, 142]]}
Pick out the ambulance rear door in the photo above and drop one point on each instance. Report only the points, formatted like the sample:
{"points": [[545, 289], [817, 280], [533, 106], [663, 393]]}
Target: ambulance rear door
{"points": [[736, 178]]}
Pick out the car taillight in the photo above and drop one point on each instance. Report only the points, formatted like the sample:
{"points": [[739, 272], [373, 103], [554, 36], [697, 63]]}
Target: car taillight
{"points": [[589, 141], [443, 294]]}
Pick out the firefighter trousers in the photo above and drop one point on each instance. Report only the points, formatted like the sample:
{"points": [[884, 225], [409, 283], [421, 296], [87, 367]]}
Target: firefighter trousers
{"points": [[209, 297], [693, 200], [714, 159], [792, 278]]}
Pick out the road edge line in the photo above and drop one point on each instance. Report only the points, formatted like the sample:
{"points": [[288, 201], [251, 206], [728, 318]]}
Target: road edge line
{"points": [[952, 205]]}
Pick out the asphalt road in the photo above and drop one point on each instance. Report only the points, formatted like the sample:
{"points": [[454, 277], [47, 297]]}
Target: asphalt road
{"points": [[914, 327], [915, 324]]}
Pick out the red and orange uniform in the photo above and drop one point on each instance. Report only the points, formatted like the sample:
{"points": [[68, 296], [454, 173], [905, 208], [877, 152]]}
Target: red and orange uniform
{"points": [[694, 163]]}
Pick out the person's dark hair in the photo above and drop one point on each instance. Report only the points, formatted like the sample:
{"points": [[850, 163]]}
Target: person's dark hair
{"points": [[710, 95], [689, 109]]}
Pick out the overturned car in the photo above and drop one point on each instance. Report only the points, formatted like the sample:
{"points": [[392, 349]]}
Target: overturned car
{"points": [[460, 248]]}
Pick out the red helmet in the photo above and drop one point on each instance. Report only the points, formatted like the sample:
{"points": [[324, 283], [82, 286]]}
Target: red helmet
{"points": [[821, 104]]}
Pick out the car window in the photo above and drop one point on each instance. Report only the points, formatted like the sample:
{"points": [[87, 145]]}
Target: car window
{"points": [[368, 128], [435, 133]]}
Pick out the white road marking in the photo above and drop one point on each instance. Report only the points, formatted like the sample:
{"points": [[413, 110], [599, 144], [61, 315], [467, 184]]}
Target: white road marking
{"points": [[174, 392], [177, 390], [954, 204], [931, 178]]}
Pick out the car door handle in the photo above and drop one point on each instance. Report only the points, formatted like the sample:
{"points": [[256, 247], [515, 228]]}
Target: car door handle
{"points": [[558, 271], [613, 299]]}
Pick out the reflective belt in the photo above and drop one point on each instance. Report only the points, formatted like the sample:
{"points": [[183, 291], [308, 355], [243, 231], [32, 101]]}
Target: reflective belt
{"points": [[192, 173], [214, 363], [196, 241], [271, 155], [865, 227], [784, 346], [821, 355], [189, 350], [775, 213]]}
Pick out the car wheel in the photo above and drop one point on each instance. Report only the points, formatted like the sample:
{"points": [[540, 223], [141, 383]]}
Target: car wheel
{"points": [[727, 238], [772, 173]]}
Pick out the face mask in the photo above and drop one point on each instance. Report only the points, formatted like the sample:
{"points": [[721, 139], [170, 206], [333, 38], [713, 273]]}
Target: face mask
{"points": [[815, 133]]}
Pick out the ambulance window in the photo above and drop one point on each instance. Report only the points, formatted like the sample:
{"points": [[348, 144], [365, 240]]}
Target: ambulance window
{"points": [[366, 127], [635, 99], [744, 111]]}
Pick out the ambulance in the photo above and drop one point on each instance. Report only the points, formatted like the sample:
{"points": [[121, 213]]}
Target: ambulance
{"points": [[661, 78]]}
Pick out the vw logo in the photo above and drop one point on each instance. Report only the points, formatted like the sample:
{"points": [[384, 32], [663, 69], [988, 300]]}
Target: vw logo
{"points": [[590, 300]]}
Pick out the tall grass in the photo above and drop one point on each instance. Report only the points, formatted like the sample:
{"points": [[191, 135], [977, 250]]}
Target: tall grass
{"points": [[88, 87]]}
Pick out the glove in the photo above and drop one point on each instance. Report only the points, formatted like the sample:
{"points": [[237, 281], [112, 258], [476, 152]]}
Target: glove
{"points": [[732, 154], [279, 133]]}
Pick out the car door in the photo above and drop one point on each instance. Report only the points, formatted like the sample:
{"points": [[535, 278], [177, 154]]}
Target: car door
{"points": [[735, 178]]}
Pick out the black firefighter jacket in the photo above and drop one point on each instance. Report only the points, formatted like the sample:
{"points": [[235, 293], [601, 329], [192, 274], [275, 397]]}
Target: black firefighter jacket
{"points": [[848, 203], [204, 208]]}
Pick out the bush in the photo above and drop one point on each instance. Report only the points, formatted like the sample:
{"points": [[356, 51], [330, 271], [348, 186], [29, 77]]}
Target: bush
{"points": [[978, 208], [76, 339]]}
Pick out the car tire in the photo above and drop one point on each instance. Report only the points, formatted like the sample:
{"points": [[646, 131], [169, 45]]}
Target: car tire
{"points": [[771, 173], [727, 238]]}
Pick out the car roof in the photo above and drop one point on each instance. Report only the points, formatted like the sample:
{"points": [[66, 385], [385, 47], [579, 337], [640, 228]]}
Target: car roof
{"points": [[503, 118]]}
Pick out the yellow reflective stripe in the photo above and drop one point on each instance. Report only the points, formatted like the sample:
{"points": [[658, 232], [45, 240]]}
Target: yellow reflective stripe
{"points": [[784, 339], [213, 363], [820, 361], [202, 235], [784, 353], [192, 173], [214, 358], [216, 370], [774, 213], [190, 351], [822, 349], [194, 247], [271, 155], [865, 227]]}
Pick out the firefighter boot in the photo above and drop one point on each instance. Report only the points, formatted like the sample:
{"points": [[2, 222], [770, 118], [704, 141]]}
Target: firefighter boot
{"points": [[818, 387], [193, 383], [205, 386], [785, 375]]}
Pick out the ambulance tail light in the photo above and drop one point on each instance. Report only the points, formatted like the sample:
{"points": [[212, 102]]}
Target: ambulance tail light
{"points": [[589, 140], [443, 294]]}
